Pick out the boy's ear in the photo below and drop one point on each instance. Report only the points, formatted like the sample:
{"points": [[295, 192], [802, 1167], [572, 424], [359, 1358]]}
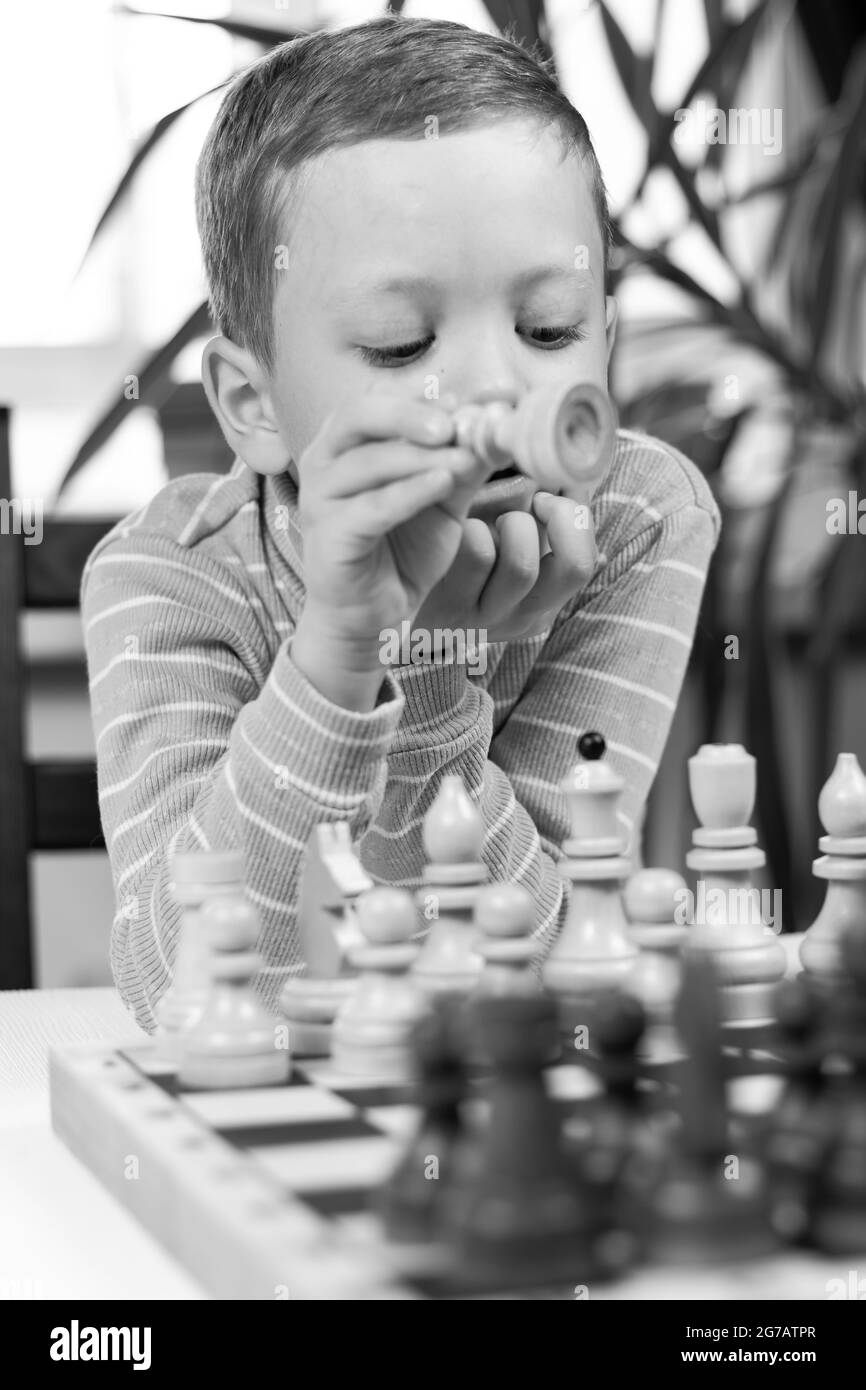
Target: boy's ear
{"points": [[237, 390], [611, 314]]}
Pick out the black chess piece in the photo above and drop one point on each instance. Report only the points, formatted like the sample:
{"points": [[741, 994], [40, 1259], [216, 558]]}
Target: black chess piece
{"points": [[615, 1149], [519, 1217], [412, 1201], [799, 1128], [838, 1216], [711, 1201]]}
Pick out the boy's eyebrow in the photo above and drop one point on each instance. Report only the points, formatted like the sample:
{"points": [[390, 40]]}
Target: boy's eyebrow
{"points": [[370, 288]]}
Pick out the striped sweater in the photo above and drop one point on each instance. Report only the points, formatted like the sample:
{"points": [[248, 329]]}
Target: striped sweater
{"points": [[208, 736]]}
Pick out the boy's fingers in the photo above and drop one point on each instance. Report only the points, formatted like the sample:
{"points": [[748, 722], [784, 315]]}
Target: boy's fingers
{"points": [[376, 465], [380, 417], [517, 565], [458, 591], [375, 512], [573, 558], [570, 530], [477, 554]]}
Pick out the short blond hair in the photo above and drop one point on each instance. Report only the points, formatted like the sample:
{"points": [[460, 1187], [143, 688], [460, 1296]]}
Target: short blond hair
{"points": [[378, 80]]}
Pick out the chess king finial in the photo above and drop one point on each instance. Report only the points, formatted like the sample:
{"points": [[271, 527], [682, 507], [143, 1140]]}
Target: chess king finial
{"points": [[563, 437]]}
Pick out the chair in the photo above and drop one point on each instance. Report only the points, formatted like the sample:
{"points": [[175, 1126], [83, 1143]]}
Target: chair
{"points": [[50, 805]]}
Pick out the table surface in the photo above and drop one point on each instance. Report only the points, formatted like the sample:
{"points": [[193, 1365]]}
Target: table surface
{"points": [[64, 1237]]}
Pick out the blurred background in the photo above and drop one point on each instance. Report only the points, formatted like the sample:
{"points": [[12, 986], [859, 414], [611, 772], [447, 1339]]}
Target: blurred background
{"points": [[732, 135]]}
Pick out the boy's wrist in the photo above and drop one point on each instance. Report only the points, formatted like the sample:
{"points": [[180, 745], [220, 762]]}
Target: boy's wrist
{"points": [[346, 670]]}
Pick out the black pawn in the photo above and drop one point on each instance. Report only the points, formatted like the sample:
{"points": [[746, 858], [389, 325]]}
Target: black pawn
{"points": [[520, 1218], [711, 1203], [800, 1125], [839, 1211], [411, 1203], [615, 1150]]}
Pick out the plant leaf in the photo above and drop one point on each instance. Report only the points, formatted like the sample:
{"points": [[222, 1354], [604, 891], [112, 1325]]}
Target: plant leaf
{"points": [[844, 183], [726, 55], [524, 18], [635, 72], [149, 143], [152, 379], [258, 33]]}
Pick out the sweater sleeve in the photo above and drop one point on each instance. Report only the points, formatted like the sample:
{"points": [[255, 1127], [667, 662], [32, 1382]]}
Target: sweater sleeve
{"points": [[614, 661], [204, 743]]}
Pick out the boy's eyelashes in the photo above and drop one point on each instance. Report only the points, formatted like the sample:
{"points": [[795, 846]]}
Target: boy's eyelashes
{"points": [[548, 339]]}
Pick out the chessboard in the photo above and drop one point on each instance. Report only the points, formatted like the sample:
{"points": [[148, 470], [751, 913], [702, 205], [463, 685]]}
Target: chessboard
{"points": [[270, 1192], [652, 1111]]}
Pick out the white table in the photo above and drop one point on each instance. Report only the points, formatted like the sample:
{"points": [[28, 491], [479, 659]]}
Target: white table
{"points": [[63, 1236]]}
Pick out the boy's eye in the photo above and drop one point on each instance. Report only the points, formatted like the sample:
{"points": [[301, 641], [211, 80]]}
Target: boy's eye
{"points": [[395, 356], [554, 338], [402, 353]]}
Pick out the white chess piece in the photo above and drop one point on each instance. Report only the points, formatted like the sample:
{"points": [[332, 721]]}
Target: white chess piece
{"points": [[236, 1042], [656, 905], [593, 951], [728, 921], [195, 879], [842, 809], [333, 880], [505, 920], [453, 835], [372, 1029]]}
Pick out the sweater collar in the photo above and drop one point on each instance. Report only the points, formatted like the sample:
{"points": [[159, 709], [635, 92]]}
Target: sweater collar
{"points": [[282, 520]]}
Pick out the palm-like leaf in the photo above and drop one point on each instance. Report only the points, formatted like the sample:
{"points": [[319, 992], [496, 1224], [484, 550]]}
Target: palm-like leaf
{"points": [[143, 152], [153, 378], [267, 34]]}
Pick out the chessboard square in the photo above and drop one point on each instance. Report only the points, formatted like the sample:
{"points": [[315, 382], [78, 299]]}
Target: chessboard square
{"points": [[571, 1083], [320, 1168], [265, 1106], [399, 1120], [755, 1095], [361, 1091]]}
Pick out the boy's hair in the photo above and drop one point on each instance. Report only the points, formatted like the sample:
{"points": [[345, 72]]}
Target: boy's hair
{"points": [[379, 80]]}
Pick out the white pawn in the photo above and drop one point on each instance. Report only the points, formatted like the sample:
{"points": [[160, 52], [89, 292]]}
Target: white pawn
{"points": [[593, 951], [195, 879], [236, 1042], [655, 903], [372, 1029], [842, 809], [505, 917], [453, 835]]}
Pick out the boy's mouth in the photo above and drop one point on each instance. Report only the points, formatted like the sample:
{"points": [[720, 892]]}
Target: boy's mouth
{"points": [[506, 490]]}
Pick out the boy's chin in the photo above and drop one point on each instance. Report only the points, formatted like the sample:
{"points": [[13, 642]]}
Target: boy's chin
{"points": [[504, 494]]}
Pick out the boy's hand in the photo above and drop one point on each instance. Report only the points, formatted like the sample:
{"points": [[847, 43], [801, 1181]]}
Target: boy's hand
{"points": [[383, 497], [512, 576]]}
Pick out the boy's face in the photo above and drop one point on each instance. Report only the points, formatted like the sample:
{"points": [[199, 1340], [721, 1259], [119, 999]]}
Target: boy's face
{"points": [[468, 266]]}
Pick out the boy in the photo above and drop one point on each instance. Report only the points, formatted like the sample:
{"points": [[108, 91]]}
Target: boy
{"points": [[397, 219]]}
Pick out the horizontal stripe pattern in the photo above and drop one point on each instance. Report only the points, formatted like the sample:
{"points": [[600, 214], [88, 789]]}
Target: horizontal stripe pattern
{"points": [[208, 736]]}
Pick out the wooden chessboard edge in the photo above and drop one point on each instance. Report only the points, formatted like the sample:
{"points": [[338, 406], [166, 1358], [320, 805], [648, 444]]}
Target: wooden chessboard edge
{"points": [[186, 1203]]}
